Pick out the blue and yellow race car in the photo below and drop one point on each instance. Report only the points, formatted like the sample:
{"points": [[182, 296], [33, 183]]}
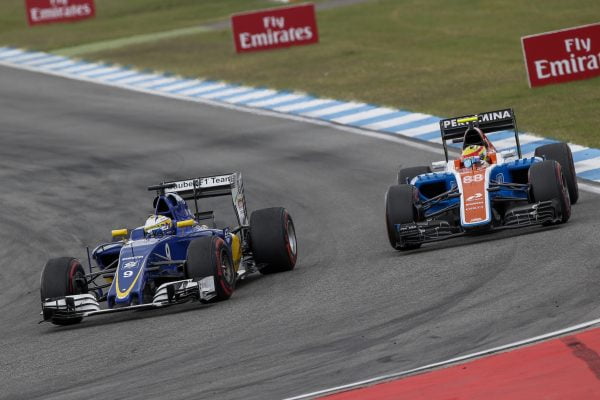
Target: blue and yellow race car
{"points": [[174, 257], [483, 189]]}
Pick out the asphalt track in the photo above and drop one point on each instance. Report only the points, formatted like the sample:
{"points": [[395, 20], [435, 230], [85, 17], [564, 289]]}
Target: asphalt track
{"points": [[75, 159]]}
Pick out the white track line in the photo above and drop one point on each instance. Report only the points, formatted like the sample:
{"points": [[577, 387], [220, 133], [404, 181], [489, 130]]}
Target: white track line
{"points": [[382, 378], [227, 92], [41, 62], [202, 89], [26, 56], [376, 112], [406, 119], [133, 79], [587, 165], [60, 64], [179, 86], [275, 100], [258, 94], [118, 75], [510, 142], [10, 53], [154, 82], [75, 69], [420, 130], [302, 105], [98, 74], [333, 109]]}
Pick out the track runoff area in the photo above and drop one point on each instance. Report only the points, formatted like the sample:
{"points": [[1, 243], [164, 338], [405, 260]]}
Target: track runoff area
{"points": [[556, 366], [559, 365]]}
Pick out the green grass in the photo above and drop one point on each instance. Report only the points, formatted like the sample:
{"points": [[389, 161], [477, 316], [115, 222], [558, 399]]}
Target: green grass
{"points": [[115, 19], [436, 56]]}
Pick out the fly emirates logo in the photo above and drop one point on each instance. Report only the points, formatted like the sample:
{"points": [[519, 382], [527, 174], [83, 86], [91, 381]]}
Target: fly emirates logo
{"points": [[275, 32], [60, 9], [574, 63]]}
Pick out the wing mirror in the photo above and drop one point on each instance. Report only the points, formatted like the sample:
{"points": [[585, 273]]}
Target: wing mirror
{"points": [[186, 223], [508, 153], [119, 234], [438, 166]]}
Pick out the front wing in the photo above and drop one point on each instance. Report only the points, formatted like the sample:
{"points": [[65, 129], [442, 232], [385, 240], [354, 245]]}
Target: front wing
{"points": [[433, 231], [85, 305]]}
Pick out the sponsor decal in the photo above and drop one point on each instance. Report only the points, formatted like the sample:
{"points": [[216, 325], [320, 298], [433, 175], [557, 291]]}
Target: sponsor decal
{"points": [[130, 264], [473, 186], [131, 258], [275, 28], [200, 183], [562, 56], [48, 11], [491, 116], [476, 196]]}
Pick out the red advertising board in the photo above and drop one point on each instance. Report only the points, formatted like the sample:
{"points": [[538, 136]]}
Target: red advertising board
{"points": [[47, 11], [275, 28], [562, 56]]}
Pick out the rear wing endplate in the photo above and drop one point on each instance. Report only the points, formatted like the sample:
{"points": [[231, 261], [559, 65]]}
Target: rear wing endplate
{"points": [[491, 121], [213, 186]]}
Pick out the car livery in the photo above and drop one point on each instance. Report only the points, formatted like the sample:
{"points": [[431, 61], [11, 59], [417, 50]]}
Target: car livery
{"points": [[471, 195], [175, 257]]}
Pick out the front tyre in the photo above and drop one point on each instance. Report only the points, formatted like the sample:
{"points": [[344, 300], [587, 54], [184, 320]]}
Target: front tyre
{"points": [[400, 208], [210, 256], [273, 238], [62, 277], [548, 183], [561, 152]]}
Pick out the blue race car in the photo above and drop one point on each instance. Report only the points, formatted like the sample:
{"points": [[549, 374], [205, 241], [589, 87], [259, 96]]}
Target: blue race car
{"points": [[482, 190], [174, 257]]}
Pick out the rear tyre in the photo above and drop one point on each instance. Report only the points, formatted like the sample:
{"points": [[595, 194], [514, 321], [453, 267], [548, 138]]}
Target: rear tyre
{"points": [[273, 239], [561, 152], [407, 174], [400, 208], [210, 256], [62, 277], [548, 183]]}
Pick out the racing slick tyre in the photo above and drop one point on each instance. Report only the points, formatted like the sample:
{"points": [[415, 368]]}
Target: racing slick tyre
{"points": [[62, 277], [407, 174], [561, 152], [273, 239], [548, 183], [210, 256], [400, 209]]}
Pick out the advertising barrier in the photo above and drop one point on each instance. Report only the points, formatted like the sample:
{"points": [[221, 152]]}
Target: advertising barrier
{"points": [[275, 28], [48, 11], [562, 56]]}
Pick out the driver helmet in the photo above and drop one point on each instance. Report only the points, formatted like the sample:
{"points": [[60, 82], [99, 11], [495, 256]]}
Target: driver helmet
{"points": [[474, 150], [158, 224]]}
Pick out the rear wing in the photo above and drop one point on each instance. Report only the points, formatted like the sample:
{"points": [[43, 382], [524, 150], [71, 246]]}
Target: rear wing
{"points": [[211, 186], [491, 121]]}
